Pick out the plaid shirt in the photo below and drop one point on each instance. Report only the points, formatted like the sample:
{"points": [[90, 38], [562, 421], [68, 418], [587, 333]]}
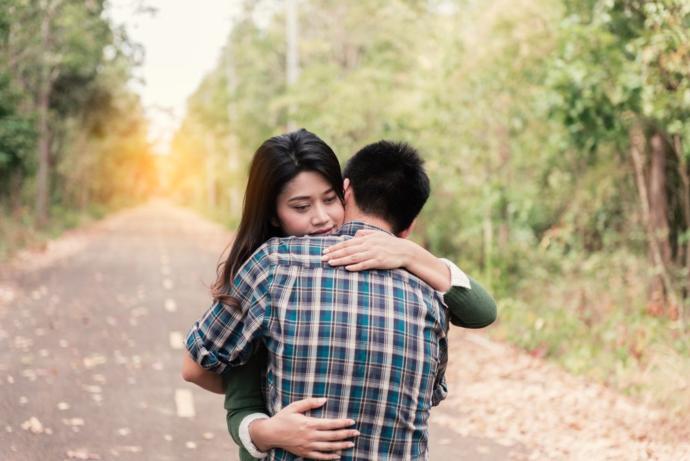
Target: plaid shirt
{"points": [[373, 342]]}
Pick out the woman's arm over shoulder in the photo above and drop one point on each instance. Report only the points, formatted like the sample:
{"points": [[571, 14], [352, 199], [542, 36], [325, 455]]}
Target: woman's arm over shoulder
{"points": [[469, 304], [381, 250], [471, 307]]}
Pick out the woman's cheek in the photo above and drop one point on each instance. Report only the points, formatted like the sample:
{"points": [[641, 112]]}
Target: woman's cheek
{"points": [[296, 224], [337, 213]]}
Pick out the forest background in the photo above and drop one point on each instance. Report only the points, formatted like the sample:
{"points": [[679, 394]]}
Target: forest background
{"points": [[556, 134]]}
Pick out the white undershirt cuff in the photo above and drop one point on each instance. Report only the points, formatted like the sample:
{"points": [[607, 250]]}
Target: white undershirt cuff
{"points": [[457, 277], [246, 439]]}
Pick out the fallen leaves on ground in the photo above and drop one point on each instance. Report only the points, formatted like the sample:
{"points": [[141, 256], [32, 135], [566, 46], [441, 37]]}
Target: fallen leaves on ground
{"points": [[33, 425], [502, 393], [81, 453]]}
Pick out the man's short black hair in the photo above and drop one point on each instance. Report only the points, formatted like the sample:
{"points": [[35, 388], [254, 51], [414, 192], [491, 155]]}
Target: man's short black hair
{"points": [[388, 180]]}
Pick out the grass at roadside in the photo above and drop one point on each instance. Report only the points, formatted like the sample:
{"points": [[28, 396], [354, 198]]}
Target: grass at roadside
{"points": [[592, 318], [18, 228]]}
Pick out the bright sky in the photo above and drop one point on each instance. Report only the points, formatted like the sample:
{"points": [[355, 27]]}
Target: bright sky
{"points": [[182, 42]]}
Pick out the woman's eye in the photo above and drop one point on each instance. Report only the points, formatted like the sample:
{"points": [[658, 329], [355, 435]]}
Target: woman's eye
{"points": [[330, 199], [301, 208]]}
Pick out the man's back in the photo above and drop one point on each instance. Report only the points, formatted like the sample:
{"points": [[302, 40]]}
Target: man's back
{"points": [[373, 342]]}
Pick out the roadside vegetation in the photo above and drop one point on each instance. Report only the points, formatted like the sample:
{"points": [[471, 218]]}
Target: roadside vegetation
{"points": [[72, 134], [556, 134]]}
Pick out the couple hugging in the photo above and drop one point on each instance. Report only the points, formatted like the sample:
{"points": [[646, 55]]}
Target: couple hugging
{"points": [[324, 316]]}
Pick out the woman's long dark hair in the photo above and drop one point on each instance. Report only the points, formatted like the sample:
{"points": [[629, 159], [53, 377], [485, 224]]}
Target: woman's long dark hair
{"points": [[276, 162]]}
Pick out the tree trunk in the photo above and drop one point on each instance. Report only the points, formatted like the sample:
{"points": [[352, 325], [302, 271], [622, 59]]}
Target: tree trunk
{"points": [[505, 169], [231, 84], [15, 190], [43, 176], [685, 203], [661, 288], [43, 107], [292, 55], [658, 198], [211, 198], [233, 150], [488, 247]]}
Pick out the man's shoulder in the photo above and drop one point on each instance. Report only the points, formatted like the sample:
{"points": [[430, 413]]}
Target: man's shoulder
{"points": [[417, 284], [299, 250]]}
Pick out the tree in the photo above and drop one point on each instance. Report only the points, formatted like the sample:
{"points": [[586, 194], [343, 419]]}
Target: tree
{"points": [[621, 75], [52, 68], [71, 133]]}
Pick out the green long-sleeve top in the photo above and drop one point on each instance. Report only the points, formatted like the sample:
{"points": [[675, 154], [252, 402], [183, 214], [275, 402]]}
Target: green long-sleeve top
{"points": [[468, 308]]}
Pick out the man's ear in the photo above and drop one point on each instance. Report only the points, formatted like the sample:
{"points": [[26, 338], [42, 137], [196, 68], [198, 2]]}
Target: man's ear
{"points": [[403, 234], [347, 189]]}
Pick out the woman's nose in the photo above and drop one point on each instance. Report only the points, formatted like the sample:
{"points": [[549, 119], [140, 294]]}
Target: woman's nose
{"points": [[320, 216]]}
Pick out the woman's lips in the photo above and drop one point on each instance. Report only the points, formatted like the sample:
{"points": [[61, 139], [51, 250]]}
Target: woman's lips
{"points": [[322, 232]]}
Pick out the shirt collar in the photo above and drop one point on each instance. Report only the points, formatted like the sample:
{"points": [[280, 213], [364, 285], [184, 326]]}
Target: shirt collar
{"points": [[351, 228]]}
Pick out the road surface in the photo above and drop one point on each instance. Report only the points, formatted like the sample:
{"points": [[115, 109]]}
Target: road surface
{"points": [[91, 333]]}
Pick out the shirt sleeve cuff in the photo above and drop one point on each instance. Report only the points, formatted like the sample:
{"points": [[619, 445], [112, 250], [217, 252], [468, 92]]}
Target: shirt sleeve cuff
{"points": [[457, 277], [201, 355], [246, 439], [440, 392]]}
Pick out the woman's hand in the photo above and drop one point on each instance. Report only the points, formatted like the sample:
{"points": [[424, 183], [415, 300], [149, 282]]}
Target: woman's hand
{"points": [[304, 436], [369, 249]]}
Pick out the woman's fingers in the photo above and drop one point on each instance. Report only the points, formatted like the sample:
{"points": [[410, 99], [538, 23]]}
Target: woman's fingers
{"points": [[368, 250], [343, 255], [362, 266], [319, 455], [304, 405], [347, 259], [361, 261], [324, 424], [361, 237], [342, 248], [364, 232], [327, 450], [336, 435], [331, 446]]}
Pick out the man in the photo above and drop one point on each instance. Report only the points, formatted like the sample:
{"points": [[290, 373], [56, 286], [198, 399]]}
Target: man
{"points": [[372, 342]]}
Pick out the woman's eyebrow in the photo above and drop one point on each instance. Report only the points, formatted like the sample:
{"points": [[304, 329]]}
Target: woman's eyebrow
{"points": [[299, 197], [307, 197]]}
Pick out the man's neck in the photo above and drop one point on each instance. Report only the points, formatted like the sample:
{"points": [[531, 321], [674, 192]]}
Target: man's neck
{"points": [[369, 219]]}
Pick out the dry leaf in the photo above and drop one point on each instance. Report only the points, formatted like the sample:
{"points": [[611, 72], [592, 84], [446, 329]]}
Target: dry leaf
{"points": [[82, 453], [33, 425]]}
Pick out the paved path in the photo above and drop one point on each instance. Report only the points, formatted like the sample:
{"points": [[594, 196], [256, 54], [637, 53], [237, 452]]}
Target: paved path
{"points": [[90, 348]]}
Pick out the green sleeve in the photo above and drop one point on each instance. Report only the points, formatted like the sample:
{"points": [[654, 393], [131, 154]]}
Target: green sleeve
{"points": [[243, 395], [470, 308]]}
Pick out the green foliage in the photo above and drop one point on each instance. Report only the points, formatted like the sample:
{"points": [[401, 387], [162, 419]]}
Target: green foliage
{"points": [[523, 110], [82, 35], [99, 155], [16, 138]]}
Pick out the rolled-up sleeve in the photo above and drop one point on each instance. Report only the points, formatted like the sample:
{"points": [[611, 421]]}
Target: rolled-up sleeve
{"points": [[440, 385], [227, 334], [440, 391]]}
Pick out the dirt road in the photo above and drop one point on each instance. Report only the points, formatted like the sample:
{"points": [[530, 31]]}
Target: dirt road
{"points": [[91, 335]]}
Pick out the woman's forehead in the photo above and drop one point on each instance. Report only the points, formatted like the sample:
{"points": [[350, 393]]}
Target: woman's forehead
{"points": [[306, 183]]}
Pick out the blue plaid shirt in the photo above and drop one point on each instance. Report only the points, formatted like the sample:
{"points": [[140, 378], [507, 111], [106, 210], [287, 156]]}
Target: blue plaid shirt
{"points": [[373, 342]]}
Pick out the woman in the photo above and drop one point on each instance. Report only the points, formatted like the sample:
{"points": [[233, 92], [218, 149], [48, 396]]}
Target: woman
{"points": [[295, 188]]}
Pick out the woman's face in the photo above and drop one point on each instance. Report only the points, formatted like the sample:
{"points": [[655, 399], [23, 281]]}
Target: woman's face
{"points": [[308, 205]]}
